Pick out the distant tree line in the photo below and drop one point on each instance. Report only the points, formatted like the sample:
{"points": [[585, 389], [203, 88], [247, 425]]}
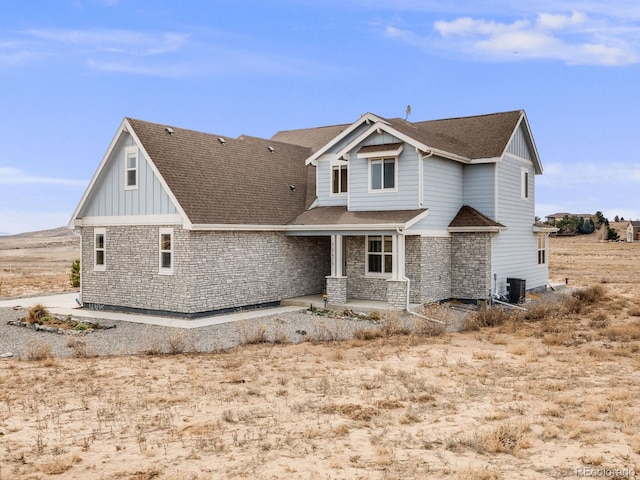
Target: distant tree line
{"points": [[573, 225]]}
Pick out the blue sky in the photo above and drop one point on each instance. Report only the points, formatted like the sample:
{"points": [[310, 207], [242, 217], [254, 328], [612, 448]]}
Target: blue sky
{"points": [[70, 70]]}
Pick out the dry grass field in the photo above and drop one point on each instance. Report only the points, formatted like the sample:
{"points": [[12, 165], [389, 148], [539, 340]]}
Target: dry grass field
{"points": [[549, 394]]}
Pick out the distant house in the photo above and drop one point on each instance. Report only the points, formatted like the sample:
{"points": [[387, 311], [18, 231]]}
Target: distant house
{"points": [[560, 216], [633, 231], [187, 223]]}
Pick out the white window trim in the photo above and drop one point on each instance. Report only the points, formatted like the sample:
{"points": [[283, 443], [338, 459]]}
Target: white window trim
{"points": [[165, 270], [395, 175], [127, 151], [339, 166], [103, 232], [369, 274], [545, 249], [525, 191]]}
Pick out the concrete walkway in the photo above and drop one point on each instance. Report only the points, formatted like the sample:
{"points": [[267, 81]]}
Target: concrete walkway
{"points": [[65, 304]]}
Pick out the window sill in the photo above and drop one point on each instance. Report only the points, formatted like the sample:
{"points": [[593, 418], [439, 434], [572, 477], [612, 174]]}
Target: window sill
{"points": [[381, 276]]}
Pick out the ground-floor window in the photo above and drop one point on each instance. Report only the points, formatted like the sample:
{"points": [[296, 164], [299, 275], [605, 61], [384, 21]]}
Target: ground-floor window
{"points": [[166, 251], [379, 254], [99, 249], [542, 249]]}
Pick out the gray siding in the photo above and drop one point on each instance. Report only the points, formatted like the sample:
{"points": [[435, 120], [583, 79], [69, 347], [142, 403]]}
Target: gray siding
{"points": [[515, 250], [325, 199], [520, 145], [111, 198], [212, 270], [442, 192], [406, 196], [479, 188]]}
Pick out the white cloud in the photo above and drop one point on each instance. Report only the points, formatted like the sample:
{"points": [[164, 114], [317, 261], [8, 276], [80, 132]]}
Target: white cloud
{"points": [[14, 176], [579, 37]]}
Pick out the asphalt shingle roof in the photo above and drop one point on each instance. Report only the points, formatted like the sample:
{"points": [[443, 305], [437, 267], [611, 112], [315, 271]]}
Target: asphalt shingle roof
{"points": [[469, 217], [238, 182], [342, 216]]}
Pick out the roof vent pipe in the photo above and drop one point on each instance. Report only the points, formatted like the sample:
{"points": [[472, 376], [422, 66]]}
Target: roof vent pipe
{"points": [[169, 130], [221, 140]]}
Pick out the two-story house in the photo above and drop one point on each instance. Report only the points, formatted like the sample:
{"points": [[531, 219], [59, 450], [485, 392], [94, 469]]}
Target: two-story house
{"points": [[187, 223]]}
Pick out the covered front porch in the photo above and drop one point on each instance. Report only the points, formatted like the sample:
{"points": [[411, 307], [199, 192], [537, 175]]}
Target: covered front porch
{"points": [[368, 255]]}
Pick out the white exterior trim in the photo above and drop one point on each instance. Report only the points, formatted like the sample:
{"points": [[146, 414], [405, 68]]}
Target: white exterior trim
{"points": [[367, 117], [121, 220], [166, 270], [395, 175], [131, 149], [102, 267], [476, 229], [382, 153]]}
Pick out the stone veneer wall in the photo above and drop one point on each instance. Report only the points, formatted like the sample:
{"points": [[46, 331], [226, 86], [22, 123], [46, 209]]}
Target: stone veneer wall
{"points": [[212, 270], [471, 265], [359, 286], [428, 266]]}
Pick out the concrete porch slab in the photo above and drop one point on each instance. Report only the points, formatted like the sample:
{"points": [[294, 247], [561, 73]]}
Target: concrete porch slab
{"points": [[352, 304]]}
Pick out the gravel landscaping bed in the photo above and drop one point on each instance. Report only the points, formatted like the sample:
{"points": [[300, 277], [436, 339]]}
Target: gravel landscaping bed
{"points": [[129, 338]]}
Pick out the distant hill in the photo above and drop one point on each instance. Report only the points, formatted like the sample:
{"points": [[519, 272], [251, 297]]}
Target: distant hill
{"points": [[56, 236]]}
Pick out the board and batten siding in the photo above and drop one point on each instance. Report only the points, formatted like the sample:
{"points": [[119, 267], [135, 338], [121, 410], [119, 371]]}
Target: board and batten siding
{"points": [[479, 188], [520, 144], [443, 193], [514, 252], [112, 199], [405, 196]]}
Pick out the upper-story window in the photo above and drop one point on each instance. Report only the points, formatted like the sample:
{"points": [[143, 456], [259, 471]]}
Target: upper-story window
{"points": [[131, 168], [339, 175], [382, 174], [524, 187]]}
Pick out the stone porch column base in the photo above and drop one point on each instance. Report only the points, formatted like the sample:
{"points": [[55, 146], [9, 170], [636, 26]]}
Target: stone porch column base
{"points": [[397, 294], [336, 290]]}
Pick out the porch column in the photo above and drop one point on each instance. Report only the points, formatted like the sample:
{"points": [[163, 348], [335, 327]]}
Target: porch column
{"points": [[337, 282], [397, 285]]}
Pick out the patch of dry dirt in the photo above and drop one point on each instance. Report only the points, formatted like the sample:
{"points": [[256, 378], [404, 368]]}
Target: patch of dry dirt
{"points": [[549, 397]]}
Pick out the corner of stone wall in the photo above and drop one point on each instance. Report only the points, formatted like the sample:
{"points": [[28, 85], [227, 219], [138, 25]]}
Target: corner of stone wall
{"points": [[397, 294]]}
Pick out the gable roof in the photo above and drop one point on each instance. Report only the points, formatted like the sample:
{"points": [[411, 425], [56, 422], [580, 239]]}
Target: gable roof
{"points": [[339, 216], [240, 181], [461, 138]]}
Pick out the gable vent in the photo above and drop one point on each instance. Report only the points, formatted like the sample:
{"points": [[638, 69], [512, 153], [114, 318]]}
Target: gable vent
{"points": [[271, 149], [169, 130], [221, 140]]}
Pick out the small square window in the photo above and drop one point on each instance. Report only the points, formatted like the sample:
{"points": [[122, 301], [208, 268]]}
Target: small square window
{"points": [[380, 254]]}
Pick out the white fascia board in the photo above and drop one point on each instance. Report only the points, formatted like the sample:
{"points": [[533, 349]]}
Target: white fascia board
{"points": [[537, 229], [122, 220], [416, 219], [381, 153], [485, 160], [537, 165], [96, 175], [475, 229], [405, 138], [161, 179], [367, 117], [344, 226], [228, 227]]}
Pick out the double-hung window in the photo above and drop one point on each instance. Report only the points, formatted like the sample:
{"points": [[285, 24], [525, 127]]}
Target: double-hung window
{"points": [[339, 174], [131, 168], [166, 251], [382, 174], [99, 249], [542, 249], [379, 254]]}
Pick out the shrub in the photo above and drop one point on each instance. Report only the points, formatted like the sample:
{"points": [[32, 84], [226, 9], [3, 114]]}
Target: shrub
{"points": [[37, 314], [590, 295], [75, 274], [491, 317]]}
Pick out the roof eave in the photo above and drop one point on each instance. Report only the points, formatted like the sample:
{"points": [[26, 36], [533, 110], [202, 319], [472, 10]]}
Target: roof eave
{"points": [[490, 229]]}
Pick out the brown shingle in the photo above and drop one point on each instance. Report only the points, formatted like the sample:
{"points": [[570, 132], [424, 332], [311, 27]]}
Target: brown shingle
{"points": [[469, 217], [313, 138], [238, 182], [342, 216]]}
